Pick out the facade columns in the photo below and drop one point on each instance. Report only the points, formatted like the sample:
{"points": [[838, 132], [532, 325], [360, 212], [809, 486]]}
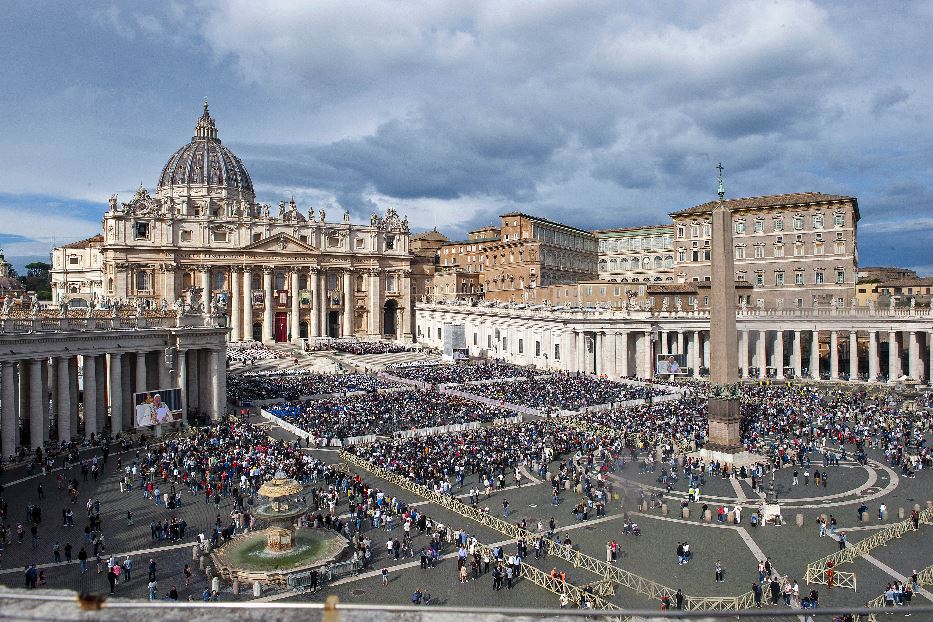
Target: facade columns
{"points": [[236, 305], [815, 355], [648, 358], [665, 346], [893, 357], [930, 362], [9, 423], [37, 396], [779, 354], [374, 320], [797, 355], [267, 317], [295, 320], [63, 414], [325, 305], [762, 348], [90, 396], [406, 325], [833, 355], [141, 384], [247, 320], [853, 356], [315, 303], [218, 384], [116, 392], [348, 303]]}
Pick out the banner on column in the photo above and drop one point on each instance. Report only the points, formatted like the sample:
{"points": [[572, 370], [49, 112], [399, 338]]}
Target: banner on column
{"points": [[157, 407], [671, 364]]}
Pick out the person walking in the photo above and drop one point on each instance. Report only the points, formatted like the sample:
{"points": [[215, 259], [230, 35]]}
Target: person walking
{"points": [[719, 578], [385, 577]]}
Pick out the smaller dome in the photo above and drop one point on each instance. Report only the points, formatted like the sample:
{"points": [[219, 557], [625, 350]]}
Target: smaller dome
{"points": [[206, 162]]}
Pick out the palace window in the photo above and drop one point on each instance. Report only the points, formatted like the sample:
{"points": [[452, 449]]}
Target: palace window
{"points": [[759, 279], [740, 252], [740, 227], [819, 277], [390, 283], [759, 251], [839, 220], [759, 225], [521, 346], [537, 348], [798, 249], [778, 250], [142, 282], [779, 223], [73, 260], [220, 236], [681, 255], [694, 231], [681, 231], [798, 278], [840, 248], [141, 230], [840, 277], [779, 278], [798, 223], [817, 221], [706, 230]]}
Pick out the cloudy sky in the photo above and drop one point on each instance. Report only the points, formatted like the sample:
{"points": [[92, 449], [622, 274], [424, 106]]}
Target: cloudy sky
{"points": [[597, 114]]}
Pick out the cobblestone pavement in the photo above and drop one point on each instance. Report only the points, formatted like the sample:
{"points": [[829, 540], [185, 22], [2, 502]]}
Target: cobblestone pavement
{"points": [[739, 547]]}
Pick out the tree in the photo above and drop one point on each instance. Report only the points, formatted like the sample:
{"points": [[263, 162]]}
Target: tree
{"points": [[38, 270]]}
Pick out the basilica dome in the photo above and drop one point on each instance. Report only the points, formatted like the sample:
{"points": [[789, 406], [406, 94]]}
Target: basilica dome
{"points": [[206, 162]]}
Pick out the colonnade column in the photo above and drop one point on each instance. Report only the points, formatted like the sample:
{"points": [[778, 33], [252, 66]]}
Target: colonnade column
{"points": [[930, 362], [216, 378], [267, 330], [63, 416], [873, 362], [665, 346], [36, 397], [648, 358], [797, 355], [181, 373], [743, 353], [913, 356], [815, 355], [236, 305], [325, 304], [247, 320], [206, 286], [762, 349], [348, 303], [623, 337], [90, 396], [779, 354], [697, 352], [295, 323], [9, 424], [599, 343], [833, 355], [893, 360], [853, 356], [116, 392]]}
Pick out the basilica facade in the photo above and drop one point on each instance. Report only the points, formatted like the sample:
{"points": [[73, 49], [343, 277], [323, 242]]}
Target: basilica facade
{"points": [[277, 274]]}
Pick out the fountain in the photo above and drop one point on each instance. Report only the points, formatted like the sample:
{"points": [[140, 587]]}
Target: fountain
{"points": [[270, 555]]}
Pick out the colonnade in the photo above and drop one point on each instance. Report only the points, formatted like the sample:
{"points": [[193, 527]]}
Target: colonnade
{"points": [[868, 348], [58, 386]]}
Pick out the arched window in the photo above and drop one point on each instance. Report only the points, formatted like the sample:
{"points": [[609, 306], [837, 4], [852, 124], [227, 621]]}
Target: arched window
{"points": [[646, 263], [602, 264], [658, 262], [623, 263], [669, 261], [613, 265]]}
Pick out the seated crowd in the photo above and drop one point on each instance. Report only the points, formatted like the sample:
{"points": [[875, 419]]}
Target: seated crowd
{"points": [[441, 373], [354, 346], [293, 385], [564, 391], [383, 414], [248, 352]]}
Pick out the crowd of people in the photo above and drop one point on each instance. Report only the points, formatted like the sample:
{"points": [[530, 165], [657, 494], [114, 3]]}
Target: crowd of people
{"points": [[354, 346], [382, 414], [293, 385], [564, 391], [441, 373], [248, 352]]}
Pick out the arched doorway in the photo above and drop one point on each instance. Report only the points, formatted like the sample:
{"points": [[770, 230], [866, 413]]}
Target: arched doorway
{"points": [[389, 314]]}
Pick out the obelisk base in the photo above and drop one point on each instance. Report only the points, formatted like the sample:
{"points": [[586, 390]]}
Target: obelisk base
{"points": [[724, 444]]}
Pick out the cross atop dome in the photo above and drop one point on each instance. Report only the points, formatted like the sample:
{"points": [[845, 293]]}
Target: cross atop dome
{"points": [[205, 129]]}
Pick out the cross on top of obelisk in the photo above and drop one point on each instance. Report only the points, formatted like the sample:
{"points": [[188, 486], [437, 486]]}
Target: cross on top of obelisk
{"points": [[722, 189]]}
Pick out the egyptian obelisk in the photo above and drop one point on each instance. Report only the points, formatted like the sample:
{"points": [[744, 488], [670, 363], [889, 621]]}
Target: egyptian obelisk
{"points": [[725, 416]]}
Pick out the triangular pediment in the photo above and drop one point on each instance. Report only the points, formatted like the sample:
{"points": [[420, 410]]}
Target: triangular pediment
{"points": [[280, 243]]}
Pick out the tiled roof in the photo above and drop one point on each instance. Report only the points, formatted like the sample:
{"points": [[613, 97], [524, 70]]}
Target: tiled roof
{"points": [[93, 241], [773, 200]]}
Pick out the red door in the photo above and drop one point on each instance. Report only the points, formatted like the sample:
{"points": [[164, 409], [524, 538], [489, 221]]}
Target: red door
{"points": [[281, 327]]}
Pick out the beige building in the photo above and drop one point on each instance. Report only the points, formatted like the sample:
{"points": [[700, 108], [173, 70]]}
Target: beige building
{"points": [[277, 275], [637, 254], [523, 254], [795, 249], [76, 270]]}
